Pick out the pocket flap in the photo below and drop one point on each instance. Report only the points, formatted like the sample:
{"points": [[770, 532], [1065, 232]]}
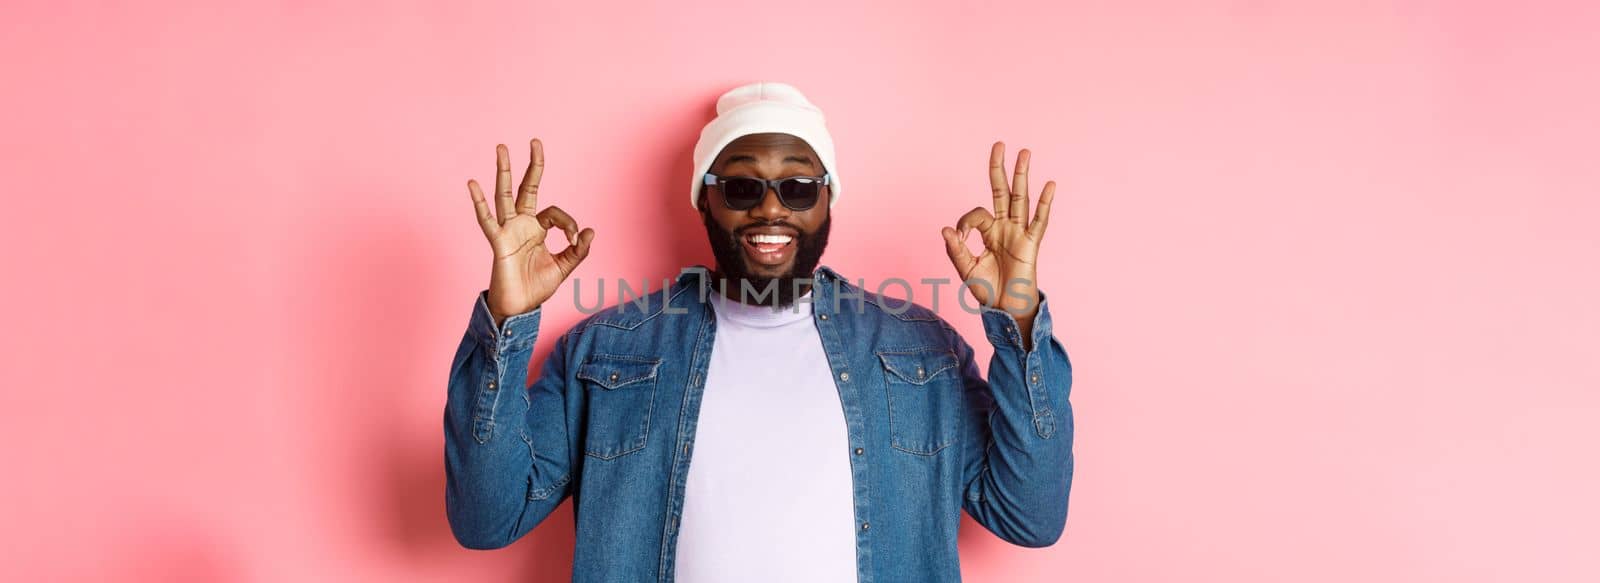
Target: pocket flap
{"points": [[613, 372], [917, 367]]}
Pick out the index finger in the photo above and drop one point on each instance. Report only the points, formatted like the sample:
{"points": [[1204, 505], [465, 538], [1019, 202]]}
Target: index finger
{"points": [[528, 193], [997, 180], [977, 218], [554, 217]]}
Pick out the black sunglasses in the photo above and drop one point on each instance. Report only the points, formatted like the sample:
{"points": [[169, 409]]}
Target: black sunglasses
{"points": [[744, 193]]}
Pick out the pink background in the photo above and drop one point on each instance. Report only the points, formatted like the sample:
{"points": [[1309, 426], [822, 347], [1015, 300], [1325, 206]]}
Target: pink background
{"points": [[1327, 271]]}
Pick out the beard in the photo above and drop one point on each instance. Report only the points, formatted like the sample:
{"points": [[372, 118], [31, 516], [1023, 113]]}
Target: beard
{"points": [[734, 273]]}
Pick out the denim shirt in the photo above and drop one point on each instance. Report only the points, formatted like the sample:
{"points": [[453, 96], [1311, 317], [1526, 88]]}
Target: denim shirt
{"points": [[610, 421]]}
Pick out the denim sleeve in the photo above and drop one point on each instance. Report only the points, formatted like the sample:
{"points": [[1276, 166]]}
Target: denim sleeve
{"points": [[1017, 464], [507, 459]]}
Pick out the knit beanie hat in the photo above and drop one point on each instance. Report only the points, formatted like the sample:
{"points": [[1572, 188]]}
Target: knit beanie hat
{"points": [[760, 108]]}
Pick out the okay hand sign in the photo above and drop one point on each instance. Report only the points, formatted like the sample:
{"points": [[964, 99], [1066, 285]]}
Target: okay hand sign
{"points": [[525, 272], [1010, 240]]}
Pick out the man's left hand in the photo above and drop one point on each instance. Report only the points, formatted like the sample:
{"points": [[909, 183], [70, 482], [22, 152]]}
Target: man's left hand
{"points": [[1004, 275]]}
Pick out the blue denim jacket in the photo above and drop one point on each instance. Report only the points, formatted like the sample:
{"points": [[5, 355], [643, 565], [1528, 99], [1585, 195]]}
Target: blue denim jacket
{"points": [[610, 421]]}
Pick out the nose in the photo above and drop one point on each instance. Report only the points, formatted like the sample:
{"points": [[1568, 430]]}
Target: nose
{"points": [[770, 207]]}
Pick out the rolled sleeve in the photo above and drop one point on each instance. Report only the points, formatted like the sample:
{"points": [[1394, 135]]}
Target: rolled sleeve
{"points": [[1001, 327], [516, 334], [498, 485], [1043, 369], [1019, 464]]}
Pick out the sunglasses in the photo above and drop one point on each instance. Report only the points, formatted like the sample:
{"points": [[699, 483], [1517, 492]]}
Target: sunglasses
{"points": [[742, 193]]}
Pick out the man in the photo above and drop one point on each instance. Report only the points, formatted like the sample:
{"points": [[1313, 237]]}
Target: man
{"points": [[707, 436]]}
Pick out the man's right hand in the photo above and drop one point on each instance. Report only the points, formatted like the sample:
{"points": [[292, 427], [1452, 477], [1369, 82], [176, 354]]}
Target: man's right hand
{"points": [[525, 272]]}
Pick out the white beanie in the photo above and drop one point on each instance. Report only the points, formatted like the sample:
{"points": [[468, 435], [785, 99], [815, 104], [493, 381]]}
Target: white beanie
{"points": [[760, 108]]}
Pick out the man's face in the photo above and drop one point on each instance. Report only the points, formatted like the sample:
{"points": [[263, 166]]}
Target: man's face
{"points": [[734, 233]]}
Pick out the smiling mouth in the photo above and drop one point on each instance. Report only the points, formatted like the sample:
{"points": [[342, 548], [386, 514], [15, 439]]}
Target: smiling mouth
{"points": [[768, 249]]}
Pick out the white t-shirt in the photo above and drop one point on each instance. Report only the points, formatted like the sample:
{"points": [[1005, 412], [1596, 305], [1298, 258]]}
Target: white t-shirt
{"points": [[768, 495]]}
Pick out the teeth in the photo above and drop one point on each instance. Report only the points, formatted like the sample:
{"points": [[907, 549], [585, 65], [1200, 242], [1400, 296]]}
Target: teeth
{"points": [[779, 239]]}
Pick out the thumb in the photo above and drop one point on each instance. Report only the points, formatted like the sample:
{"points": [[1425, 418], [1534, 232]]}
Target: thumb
{"points": [[569, 258], [960, 256]]}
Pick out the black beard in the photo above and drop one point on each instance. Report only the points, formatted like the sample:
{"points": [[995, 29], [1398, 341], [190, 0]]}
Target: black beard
{"points": [[727, 247]]}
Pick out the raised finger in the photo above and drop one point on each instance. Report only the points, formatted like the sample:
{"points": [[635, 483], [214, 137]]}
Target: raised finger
{"points": [[553, 216], [1041, 217], [485, 219], [504, 205], [528, 193], [1019, 187], [997, 179]]}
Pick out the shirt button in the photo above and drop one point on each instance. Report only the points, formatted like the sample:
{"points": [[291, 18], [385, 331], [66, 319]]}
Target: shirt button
{"points": [[491, 385], [860, 451], [614, 377], [920, 373], [822, 316], [866, 525], [844, 376], [1035, 379]]}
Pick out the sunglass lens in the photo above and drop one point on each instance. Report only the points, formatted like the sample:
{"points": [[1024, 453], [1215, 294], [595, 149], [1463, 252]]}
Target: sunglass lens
{"points": [[743, 193], [801, 193]]}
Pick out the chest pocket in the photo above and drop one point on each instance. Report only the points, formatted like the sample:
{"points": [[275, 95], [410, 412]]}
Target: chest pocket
{"points": [[924, 399], [621, 392]]}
